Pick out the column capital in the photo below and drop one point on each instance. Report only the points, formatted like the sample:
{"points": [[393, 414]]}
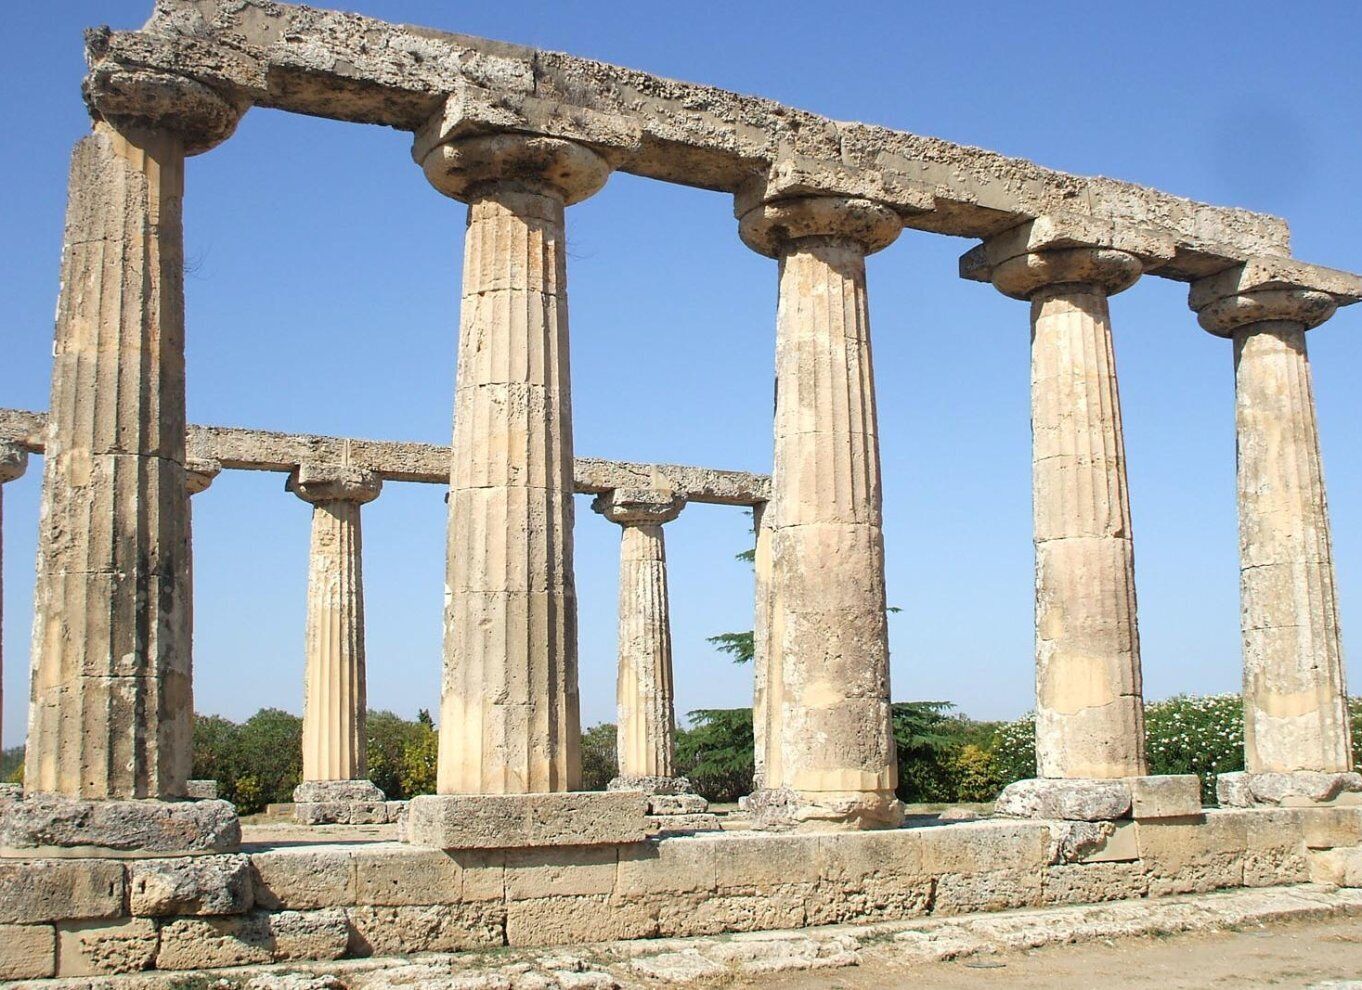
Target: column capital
{"points": [[333, 483], [772, 228], [1066, 249], [1266, 289], [545, 166], [127, 96], [13, 461], [200, 472], [639, 506]]}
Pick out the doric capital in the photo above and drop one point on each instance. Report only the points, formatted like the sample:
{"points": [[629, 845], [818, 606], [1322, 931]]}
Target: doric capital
{"points": [[334, 483], [565, 170], [13, 461], [1066, 249], [1269, 289], [136, 97], [636, 506], [772, 228], [199, 473]]}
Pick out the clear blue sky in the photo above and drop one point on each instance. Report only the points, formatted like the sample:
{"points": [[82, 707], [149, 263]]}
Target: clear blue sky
{"points": [[323, 297]]}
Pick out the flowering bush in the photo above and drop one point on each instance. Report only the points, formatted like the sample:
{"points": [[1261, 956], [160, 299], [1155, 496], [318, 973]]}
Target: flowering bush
{"points": [[1204, 736]]}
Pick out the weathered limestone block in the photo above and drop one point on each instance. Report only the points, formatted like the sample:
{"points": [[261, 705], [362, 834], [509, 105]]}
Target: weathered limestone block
{"points": [[1165, 796], [1327, 827], [828, 756], [90, 948], [196, 885], [1275, 852], [506, 821], [44, 823], [1092, 842], [395, 874], [1091, 883], [334, 697], [111, 694], [299, 878], [1295, 710], [30, 952], [259, 937], [202, 790], [667, 866], [1298, 789], [1340, 867], [676, 804], [990, 890], [1185, 856], [875, 875], [1070, 799], [582, 918], [509, 711], [39, 890], [672, 823], [559, 872], [405, 929], [646, 723]]}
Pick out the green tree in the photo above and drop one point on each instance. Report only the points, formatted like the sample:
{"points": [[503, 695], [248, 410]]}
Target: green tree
{"points": [[717, 752], [600, 760], [12, 765], [925, 739], [420, 758], [270, 748], [389, 736]]}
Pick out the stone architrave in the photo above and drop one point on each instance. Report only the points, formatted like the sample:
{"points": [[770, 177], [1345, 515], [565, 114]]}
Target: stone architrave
{"points": [[509, 711], [112, 703], [828, 756], [334, 699], [1297, 736], [646, 722], [13, 463]]}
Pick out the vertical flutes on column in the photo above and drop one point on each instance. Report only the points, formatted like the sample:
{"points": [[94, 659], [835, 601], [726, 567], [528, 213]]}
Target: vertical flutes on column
{"points": [[828, 752], [334, 693], [13, 464], [1297, 738], [111, 710]]}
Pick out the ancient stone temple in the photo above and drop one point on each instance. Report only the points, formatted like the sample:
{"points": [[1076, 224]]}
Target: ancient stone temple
{"points": [[110, 861]]}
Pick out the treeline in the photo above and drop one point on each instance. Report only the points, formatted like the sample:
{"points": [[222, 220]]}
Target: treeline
{"points": [[943, 756]]}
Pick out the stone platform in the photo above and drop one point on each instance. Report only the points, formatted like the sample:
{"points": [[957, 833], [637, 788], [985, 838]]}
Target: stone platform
{"points": [[511, 821], [307, 901], [1297, 789], [47, 824]]}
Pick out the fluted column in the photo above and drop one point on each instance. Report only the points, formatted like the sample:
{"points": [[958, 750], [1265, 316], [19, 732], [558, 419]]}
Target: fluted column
{"points": [[765, 690], [646, 724], [828, 751], [1296, 720], [13, 464], [334, 703], [1089, 704], [111, 686], [509, 710]]}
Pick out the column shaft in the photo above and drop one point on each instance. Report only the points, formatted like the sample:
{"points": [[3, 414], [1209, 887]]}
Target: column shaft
{"points": [[827, 690], [1295, 700], [1089, 712], [765, 685], [646, 740], [509, 711], [334, 702], [111, 695]]}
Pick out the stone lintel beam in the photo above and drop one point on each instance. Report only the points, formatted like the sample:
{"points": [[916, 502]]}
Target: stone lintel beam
{"points": [[345, 67], [800, 176], [1058, 232], [1268, 288], [394, 460]]}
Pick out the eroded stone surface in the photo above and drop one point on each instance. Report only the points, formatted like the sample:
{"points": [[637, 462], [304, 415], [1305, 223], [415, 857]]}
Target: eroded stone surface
{"points": [[1065, 799], [199, 885], [505, 821], [47, 822], [1301, 788]]}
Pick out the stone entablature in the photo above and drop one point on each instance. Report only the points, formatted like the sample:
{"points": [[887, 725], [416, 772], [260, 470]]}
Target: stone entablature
{"points": [[443, 86], [395, 460]]}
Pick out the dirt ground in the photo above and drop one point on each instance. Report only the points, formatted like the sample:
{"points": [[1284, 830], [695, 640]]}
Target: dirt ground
{"points": [[1317, 954]]}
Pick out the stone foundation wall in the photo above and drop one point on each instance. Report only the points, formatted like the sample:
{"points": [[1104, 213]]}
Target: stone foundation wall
{"points": [[319, 902]]}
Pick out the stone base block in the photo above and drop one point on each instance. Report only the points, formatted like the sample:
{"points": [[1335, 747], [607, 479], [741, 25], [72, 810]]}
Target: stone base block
{"points": [[1092, 800], [328, 791], [651, 785], [785, 809], [674, 824], [348, 812], [1296, 789], [506, 821], [49, 825], [202, 790], [677, 804]]}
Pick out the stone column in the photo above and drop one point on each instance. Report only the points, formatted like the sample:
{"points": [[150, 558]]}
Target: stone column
{"points": [[13, 463], [1297, 739], [334, 700], [646, 725], [509, 721], [1089, 702], [765, 693], [828, 753], [112, 700]]}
